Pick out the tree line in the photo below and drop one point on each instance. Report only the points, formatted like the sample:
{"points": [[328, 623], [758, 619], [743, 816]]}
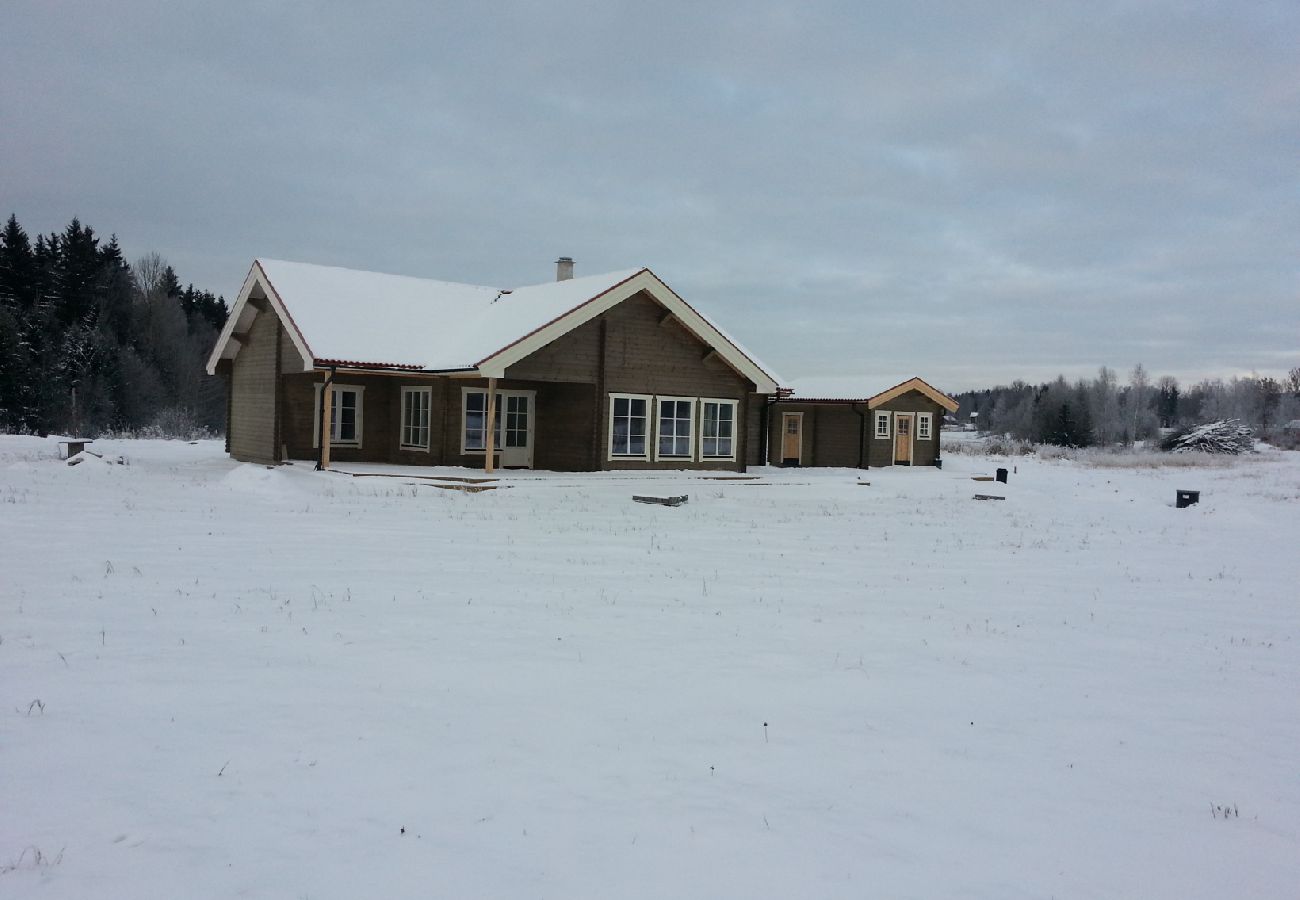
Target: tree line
{"points": [[91, 344], [1104, 411]]}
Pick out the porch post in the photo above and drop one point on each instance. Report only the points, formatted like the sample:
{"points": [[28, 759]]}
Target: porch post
{"points": [[489, 438], [326, 423]]}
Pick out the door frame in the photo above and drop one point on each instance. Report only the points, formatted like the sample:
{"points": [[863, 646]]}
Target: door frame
{"points": [[509, 457], [910, 418], [784, 417]]}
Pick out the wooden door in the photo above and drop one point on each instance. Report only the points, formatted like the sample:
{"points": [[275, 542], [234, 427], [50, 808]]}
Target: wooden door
{"points": [[791, 438], [903, 440]]}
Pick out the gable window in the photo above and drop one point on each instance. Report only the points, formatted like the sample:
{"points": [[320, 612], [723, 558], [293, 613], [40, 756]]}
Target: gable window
{"points": [[717, 429], [345, 415], [676, 418], [415, 418], [628, 417], [922, 426], [882, 424], [474, 436]]}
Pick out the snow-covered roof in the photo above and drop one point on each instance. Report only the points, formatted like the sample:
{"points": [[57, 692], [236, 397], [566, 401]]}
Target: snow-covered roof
{"points": [[829, 389], [843, 390], [374, 320]]}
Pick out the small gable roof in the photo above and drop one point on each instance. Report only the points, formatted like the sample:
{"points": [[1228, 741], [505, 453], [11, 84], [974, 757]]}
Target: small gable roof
{"points": [[338, 316]]}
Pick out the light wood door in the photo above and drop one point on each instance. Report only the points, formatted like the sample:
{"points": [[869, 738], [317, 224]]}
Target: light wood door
{"points": [[903, 440], [792, 437], [515, 428]]}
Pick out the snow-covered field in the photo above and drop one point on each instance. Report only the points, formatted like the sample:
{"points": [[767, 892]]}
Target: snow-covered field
{"points": [[220, 680]]}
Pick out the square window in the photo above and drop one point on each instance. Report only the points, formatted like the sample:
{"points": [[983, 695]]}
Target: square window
{"points": [[676, 418], [882, 424], [415, 418], [345, 415], [628, 419], [718, 429]]}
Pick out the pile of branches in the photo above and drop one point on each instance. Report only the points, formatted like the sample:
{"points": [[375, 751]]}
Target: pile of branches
{"points": [[1228, 436]]}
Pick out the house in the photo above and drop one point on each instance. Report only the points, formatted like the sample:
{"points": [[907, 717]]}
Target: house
{"points": [[608, 371], [814, 424], [603, 372]]}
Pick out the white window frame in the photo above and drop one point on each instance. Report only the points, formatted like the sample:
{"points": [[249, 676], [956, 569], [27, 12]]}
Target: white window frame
{"points": [[651, 411], [402, 427], [923, 432], [735, 428], [883, 418], [689, 455], [357, 389], [464, 409]]}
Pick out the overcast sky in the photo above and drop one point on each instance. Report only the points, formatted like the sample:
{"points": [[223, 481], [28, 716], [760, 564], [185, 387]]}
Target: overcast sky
{"points": [[970, 192]]}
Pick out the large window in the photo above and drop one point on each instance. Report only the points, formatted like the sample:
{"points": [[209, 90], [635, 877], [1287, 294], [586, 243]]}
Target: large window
{"points": [[676, 418], [415, 418], [882, 424], [717, 429], [922, 426], [628, 417], [474, 435], [345, 415]]}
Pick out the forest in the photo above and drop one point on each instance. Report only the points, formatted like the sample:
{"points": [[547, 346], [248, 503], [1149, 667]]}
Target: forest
{"points": [[91, 344], [1103, 411]]}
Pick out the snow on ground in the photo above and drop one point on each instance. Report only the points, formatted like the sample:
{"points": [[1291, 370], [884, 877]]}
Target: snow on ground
{"points": [[280, 683]]}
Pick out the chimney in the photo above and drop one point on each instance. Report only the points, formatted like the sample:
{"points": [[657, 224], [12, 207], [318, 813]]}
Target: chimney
{"points": [[564, 268]]}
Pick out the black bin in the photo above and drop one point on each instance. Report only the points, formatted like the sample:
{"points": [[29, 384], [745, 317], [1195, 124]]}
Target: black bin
{"points": [[1187, 498], [1002, 475]]}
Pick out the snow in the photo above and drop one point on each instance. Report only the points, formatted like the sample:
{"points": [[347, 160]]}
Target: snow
{"points": [[346, 314], [254, 679]]}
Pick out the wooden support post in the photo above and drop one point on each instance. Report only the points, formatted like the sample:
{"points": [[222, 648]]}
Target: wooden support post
{"points": [[326, 424], [490, 427]]}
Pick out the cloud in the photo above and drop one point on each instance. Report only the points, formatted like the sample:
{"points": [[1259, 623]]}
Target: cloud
{"points": [[965, 192]]}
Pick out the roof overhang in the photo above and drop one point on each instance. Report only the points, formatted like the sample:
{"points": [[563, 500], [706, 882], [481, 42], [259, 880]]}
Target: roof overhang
{"points": [[495, 366], [913, 384], [257, 287]]}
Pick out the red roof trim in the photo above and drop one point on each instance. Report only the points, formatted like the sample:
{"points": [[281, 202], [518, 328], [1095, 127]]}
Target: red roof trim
{"points": [[358, 364]]}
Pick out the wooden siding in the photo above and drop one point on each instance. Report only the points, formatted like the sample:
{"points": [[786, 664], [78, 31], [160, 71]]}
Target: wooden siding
{"points": [[755, 406], [381, 418], [643, 353], [924, 452], [832, 432], [253, 419], [630, 348]]}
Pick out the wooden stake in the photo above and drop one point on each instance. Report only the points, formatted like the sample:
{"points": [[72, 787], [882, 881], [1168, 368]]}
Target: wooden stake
{"points": [[326, 426], [489, 438]]}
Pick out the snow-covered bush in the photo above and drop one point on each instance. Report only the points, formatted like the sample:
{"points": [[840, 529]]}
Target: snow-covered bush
{"points": [[1227, 436]]}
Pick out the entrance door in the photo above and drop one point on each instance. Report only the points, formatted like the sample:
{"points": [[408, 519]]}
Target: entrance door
{"points": [[902, 440], [791, 439], [515, 428]]}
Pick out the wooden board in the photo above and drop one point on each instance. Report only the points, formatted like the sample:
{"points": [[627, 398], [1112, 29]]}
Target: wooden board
{"points": [[463, 488], [662, 501], [988, 497]]}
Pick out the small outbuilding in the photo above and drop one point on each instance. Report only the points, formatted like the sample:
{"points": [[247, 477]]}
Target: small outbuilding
{"points": [[896, 427]]}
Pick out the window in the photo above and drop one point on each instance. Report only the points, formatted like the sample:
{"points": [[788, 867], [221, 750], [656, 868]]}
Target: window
{"points": [[922, 426], [627, 426], [718, 429], [473, 436], [676, 418], [882, 424], [345, 416], [415, 418]]}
